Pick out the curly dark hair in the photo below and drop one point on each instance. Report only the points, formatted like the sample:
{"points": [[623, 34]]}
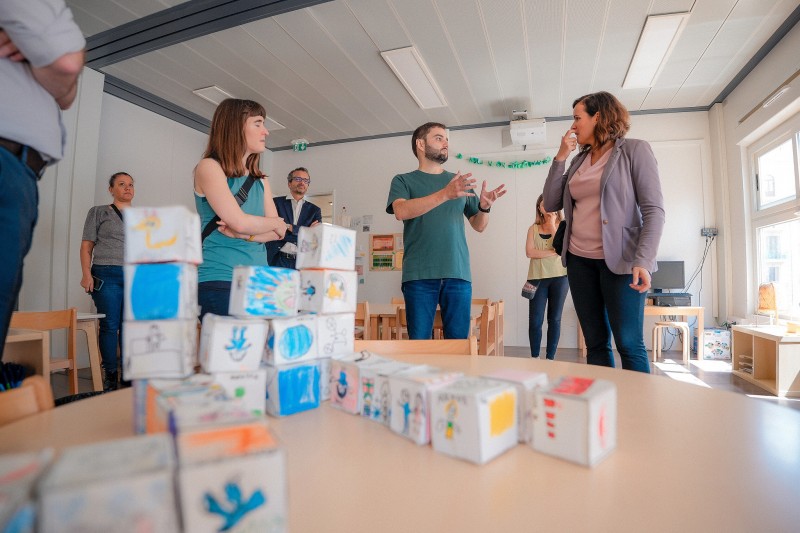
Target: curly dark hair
{"points": [[614, 120]]}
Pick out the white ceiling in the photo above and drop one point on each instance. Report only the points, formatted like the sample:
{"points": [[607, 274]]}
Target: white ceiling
{"points": [[319, 72]]}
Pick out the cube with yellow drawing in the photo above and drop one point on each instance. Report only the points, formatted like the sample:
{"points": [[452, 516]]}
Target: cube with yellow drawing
{"points": [[474, 419], [527, 383], [328, 291], [326, 246], [162, 234]]}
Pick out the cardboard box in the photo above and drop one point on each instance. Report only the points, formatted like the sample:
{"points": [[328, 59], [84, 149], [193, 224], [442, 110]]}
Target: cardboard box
{"points": [[716, 343], [229, 344], [411, 399], [328, 291], [527, 383], [292, 388], [161, 235], [346, 380], [162, 291], [159, 348], [576, 420], [264, 291], [123, 485], [474, 419], [18, 474], [291, 340], [335, 334], [232, 478], [326, 246], [248, 387]]}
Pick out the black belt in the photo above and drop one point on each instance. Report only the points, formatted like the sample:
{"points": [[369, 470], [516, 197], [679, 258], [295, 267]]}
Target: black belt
{"points": [[34, 160]]}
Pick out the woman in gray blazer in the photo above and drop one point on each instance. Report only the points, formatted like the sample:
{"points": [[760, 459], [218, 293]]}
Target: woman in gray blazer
{"points": [[612, 202]]}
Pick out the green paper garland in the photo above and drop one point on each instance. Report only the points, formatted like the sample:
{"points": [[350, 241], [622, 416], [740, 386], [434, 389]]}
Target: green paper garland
{"points": [[501, 164]]}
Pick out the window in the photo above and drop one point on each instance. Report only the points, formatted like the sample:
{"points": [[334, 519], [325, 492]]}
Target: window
{"points": [[775, 219]]}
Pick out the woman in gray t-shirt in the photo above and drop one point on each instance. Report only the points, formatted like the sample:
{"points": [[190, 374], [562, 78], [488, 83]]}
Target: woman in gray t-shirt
{"points": [[102, 257]]}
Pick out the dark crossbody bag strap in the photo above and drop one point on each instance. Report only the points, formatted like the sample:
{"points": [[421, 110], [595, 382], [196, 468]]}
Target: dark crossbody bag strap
{"points": [[241, 198], [116, 210]]}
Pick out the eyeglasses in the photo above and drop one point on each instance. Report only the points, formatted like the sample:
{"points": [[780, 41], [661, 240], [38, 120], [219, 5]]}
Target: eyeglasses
{"points": [[300, 180]]}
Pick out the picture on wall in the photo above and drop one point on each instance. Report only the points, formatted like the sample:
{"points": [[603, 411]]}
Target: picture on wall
{"points": [[386, 252]]}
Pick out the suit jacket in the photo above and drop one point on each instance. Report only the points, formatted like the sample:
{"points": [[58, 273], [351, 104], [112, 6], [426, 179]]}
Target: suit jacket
{"points": [[308, 214], [631, 204]]}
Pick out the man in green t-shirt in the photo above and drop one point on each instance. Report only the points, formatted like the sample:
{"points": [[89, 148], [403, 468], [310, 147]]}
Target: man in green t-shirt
{"points": [[432, 204]]}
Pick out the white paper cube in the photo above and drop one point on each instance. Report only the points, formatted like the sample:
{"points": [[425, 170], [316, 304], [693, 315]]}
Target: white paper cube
{"points": [[292, 388], [326, 246], [292, 339], [264, 291], [162, 234], [346, 391], [159, 348], [148, 416], [18, 473], [376, 396], [328, 291], [411, 399], [526, 383], [474, 419], [229, 344], [324, 378], [160, 291], [335, 334], [123, 485], [576, 419], [249, 388]]}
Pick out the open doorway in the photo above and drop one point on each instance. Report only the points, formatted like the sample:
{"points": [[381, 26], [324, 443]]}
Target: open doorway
{"points": [[325, 202]]}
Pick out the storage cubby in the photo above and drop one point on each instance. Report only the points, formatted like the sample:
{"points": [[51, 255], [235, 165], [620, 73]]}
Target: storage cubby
{"points": [[768, 357]]}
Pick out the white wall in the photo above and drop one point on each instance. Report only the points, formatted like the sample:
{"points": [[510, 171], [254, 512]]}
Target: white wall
{"points": [[360, 174]]}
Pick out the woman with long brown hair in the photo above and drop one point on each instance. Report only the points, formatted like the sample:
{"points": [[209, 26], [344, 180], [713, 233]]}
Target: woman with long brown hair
{"points": [[230, 168]]}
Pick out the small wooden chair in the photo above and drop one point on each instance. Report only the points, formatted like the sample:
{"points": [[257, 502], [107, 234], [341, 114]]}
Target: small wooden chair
{"points": [[487, 338], [500, 308], [480, 301], [362, 321], [400, 324], [49, 321], [33, 396], [399, 347], [396, 300]]}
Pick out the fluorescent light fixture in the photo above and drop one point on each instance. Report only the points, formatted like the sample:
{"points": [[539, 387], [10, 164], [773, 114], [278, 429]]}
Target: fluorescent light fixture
{"points": [[658, 37], [410, 69], [777, 94], [215, 95]]}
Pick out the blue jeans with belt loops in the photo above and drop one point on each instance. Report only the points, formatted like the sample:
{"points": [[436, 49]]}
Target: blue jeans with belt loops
{"points": [[422, 296]]}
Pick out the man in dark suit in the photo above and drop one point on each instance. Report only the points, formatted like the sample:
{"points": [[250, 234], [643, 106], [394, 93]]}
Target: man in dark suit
{"points": [[296, 211]]}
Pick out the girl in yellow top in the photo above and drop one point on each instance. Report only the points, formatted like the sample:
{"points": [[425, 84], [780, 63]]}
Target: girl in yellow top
{"points": [[545, 271]]}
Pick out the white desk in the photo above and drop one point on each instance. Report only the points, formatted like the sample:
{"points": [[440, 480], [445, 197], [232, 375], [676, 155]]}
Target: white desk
{"points": [[688, 459]]}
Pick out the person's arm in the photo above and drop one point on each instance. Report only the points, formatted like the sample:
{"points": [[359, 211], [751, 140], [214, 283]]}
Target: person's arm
{"points": [[647, 185], [459, 186], [211, 181], [530, 248], [553, 192], [60, 78], [87, 282], [480, 220]]}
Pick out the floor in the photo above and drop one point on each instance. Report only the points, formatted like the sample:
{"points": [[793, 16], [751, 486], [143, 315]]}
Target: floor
{"points": [[714, 374]]}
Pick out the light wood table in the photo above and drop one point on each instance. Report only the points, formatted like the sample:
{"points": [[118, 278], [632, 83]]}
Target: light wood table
{"points": [[87, 323], [658, 310], [688, 458], [29, 347], [386, 315]]}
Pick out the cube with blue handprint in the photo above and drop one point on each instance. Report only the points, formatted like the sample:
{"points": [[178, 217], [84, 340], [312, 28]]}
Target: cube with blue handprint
{"points": [[229, 344]]}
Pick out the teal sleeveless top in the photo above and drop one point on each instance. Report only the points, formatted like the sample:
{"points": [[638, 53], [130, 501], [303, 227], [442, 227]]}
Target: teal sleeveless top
{"points": [[221, 253]]}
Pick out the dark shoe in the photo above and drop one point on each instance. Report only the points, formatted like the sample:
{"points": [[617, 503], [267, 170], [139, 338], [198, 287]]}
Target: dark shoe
{"points": [[123, 384], [110, 381]]}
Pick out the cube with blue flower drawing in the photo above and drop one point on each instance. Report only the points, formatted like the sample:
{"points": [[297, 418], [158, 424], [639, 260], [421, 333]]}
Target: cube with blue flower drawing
{"points": [[159, 348], [292, 388], [162, 234], [160, 291], [232, 478], [326, 246], [328, 291], [263, 291], [292, 339], [335, 334], [229, 344]]}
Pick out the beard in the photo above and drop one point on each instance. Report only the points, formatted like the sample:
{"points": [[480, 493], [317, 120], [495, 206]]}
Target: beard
{"points": [[440, 156]]}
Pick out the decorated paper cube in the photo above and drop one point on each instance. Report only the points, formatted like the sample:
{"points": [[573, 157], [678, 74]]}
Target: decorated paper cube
{"points": [[291, 340], [292, 388], [154, 399], [162, 234], [124, 485], [263, 291], [160, 291], [248, 387], [328, 291], [335, 334], [576, 419], [159, 348], [233, 479], [411, 401], [527, 383], [18, 474], [376, 396], [326, 246], [346, 393], [716, 343], [324, 378], [474, 419], [229, 344]]}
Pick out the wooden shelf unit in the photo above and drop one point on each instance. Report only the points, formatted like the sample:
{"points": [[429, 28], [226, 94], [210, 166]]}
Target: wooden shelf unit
{"points": [[772, 356]]}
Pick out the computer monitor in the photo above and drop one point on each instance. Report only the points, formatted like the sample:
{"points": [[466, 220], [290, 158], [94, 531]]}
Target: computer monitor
{"points": [[668, 276]]}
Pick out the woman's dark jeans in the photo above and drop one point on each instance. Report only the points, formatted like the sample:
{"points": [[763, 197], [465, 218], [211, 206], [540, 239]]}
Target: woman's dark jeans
{"points": [[110, 300], [550, 293]]}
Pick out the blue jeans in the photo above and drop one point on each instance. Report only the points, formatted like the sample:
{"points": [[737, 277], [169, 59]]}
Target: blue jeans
{"points": [[110, 300], [606, 305], [19, 208], [214, 297], [550, 293], [423, 295]]}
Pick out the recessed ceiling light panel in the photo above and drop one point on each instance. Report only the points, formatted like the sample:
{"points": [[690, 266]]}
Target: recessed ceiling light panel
{"points": [[658, 37], [213, 94], [410, 69]]}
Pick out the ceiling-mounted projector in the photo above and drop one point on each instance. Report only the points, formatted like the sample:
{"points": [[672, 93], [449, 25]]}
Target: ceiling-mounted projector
{"points": [[525, 131]]}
